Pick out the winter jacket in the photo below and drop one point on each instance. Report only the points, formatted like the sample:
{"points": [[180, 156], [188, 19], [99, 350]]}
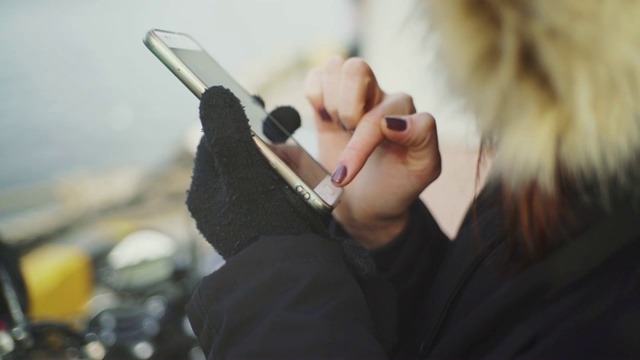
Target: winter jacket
{"points": [[554, 85], [293, 297]]}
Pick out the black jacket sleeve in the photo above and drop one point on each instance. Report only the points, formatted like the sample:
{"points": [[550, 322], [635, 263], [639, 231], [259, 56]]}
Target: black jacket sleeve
{"points": [[293, 296], [411, 263], [284, 297]]}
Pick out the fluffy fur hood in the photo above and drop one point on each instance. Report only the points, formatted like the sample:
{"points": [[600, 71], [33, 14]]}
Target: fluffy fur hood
{"points": [[555, 84]]}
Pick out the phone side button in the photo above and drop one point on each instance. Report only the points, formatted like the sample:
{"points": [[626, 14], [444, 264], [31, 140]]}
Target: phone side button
{"points": [[303, 192]]}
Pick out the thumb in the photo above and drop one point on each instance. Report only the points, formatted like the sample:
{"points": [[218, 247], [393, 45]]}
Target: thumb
{"points": [[417, 134], [224, 122]]}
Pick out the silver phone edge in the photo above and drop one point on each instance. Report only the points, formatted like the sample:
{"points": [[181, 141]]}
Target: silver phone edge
{"points": [[197, 87]]}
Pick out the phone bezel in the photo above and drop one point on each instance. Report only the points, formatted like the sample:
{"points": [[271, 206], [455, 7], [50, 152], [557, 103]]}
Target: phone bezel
{"points": [[164, 53]]}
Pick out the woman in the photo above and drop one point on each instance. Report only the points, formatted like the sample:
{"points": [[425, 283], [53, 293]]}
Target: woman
{"points": [[546, 261]]}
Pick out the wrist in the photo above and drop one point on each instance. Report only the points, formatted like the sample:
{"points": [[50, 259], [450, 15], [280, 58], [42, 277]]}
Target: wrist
{"points": [[376, 233]]}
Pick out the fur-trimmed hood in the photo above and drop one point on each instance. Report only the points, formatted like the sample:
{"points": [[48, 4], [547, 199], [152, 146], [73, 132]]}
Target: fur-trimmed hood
{"points": [[555, 84]]}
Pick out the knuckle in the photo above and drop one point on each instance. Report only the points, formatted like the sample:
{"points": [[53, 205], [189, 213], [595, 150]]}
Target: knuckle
{"points": [[333, 62], [431, 123], [357, 67], [408, 102], [404, 102], [428, 122], [437, 165], [424, 133], [393, 104]]}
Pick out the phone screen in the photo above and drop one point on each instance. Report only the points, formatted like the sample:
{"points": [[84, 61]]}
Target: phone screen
{"points": [[210, 73]]}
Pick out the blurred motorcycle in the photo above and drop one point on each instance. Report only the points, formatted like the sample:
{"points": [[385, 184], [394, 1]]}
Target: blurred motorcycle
{"points": [[108, 279]]}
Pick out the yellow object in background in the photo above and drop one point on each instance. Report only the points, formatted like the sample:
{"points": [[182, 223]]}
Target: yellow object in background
{"points": [[59, 281]]}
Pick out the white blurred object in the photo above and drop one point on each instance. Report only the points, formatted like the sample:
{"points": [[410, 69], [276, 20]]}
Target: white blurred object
{"points": [[142, 258]]}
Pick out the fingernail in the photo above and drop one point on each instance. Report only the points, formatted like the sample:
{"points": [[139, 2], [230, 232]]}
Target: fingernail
{"points": [[324, 115], [396, 124], [339, 175]]}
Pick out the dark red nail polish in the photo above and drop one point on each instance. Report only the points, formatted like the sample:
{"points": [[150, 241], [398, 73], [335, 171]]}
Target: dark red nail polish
{"points": [[396, 124], [339, 175], [324, 115]]}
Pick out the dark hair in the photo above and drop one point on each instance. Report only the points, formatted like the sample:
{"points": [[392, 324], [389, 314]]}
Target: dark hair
{"points": [[535, 220]]}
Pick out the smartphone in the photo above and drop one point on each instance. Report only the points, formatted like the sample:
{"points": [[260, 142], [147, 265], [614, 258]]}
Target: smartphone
{"points": [[198, 71]]}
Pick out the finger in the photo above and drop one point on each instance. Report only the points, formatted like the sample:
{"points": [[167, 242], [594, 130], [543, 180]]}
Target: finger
{"points": [[359, 92], [331, 77], [367, 136], [314, 94], [418, 134], [281, 123], [227, 132], [223, 118]]}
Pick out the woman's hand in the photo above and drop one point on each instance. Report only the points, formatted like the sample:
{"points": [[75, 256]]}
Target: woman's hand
{"points": [[383, 153]]}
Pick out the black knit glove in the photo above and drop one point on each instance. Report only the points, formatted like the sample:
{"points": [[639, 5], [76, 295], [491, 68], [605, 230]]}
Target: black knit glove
{"points": [[235, 195]]}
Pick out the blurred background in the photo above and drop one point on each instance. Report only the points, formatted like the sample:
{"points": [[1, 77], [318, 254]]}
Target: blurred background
{"points": [[96, 147], [81, 93]]}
